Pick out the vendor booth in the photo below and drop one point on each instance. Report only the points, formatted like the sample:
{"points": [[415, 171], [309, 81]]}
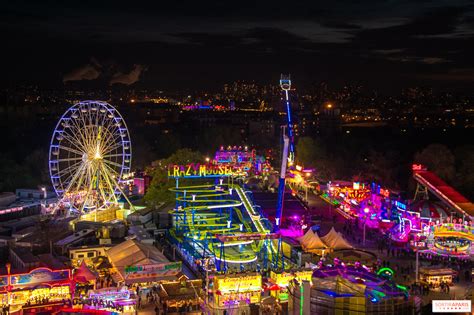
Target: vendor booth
{"points": [[121, 300], [142, 265], [280, 282], [40, 290], [435, 275], [236, 291], [182, 296]]}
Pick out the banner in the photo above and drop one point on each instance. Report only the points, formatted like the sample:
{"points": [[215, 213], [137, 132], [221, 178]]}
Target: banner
{"points": [[193, 170], [40, 275]]}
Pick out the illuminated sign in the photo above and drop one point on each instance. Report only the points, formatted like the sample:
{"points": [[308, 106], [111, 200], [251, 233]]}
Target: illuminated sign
{"points": [[400, 205], [16, 209], [110, 295], [238, 284], [418, 167], [199, 170], [284, 279], [40, 275], [163, 267], [246, 237], [384, 192]]}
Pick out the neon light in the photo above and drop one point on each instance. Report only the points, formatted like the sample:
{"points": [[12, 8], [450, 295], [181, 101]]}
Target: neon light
{"points": [[385, 270], [301, 299], [194, 170]]}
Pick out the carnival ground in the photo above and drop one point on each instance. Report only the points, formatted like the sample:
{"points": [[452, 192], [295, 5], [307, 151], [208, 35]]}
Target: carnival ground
{"points": [[330, 217]]}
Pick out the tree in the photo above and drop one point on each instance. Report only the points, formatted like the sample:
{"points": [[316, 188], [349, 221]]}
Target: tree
{"points": [[439, 159], [309, 152], [465, 170], [160, 183]]}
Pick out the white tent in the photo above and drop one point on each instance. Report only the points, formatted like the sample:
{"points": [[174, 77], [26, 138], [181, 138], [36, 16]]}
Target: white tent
{"points": [[311, 241], [338, 242], [305, 238], [330, 237]]}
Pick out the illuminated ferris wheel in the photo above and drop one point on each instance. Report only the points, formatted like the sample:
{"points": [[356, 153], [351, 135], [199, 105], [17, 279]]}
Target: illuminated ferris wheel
{"points": [[90, 153]]}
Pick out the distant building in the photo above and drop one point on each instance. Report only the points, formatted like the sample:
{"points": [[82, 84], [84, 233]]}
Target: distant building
{"points": [[22, 258], [63, 245], [87, 253]]}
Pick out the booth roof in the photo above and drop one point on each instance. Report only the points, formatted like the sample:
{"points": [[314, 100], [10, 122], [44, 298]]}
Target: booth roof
{"points": [[335, 240], [311, 240], [132, 253], [176, 289], [84, 274]]}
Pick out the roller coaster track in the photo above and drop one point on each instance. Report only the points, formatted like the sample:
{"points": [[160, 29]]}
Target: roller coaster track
{"points": [[201, 220]]}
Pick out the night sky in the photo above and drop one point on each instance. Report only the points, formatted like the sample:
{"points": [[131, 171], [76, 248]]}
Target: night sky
{"points": [[207, 43]]}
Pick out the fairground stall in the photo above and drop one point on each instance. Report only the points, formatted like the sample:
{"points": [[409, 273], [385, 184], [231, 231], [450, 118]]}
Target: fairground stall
{"points": [[236, 291], [279, 282], [182, 296], [40, 290], [121, 300], [143, 266], [435, 276], [349, 196]]}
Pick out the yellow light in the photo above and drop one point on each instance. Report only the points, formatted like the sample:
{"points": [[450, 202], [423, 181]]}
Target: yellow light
{"points": [[308, 174], [97, 155], [329, 105]]}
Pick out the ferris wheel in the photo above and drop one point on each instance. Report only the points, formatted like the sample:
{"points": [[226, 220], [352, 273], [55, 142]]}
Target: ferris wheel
{"points": [[90, 153]]}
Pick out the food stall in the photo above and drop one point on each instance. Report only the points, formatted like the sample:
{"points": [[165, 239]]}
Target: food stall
{"points": [[280, 282], [435, 275], [120, 300], [233, 290], [40, 290], [182, 296]]}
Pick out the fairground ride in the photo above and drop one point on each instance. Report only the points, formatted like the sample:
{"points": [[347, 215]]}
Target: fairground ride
{"points": [[90, 152], [220, 222], [288, 152]]}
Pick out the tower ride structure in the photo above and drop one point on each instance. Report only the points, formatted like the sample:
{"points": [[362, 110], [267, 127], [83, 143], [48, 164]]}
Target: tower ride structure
{"points": [[288, 152]]}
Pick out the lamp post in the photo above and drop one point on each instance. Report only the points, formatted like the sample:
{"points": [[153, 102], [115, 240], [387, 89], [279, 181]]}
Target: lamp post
{"points": [[366, 211]]}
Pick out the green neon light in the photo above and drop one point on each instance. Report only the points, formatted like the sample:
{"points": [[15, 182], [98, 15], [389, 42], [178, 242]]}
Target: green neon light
{"points": [[301, 298], [385, 269], [404, 288], [378, 293]]}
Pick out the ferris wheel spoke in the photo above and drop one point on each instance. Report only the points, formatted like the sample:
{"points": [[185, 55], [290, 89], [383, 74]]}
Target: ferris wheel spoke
{"points": [[112, 155], [69, 159], [106, 184], [111, 140], [81, 131], [113, 163], [68, 178], [69, 149], [72, 178], [74, 140], [112, 147], [110, 181], [70, 168]]}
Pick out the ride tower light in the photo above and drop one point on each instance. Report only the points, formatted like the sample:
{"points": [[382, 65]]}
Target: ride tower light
{"points": [[285, 84]]}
